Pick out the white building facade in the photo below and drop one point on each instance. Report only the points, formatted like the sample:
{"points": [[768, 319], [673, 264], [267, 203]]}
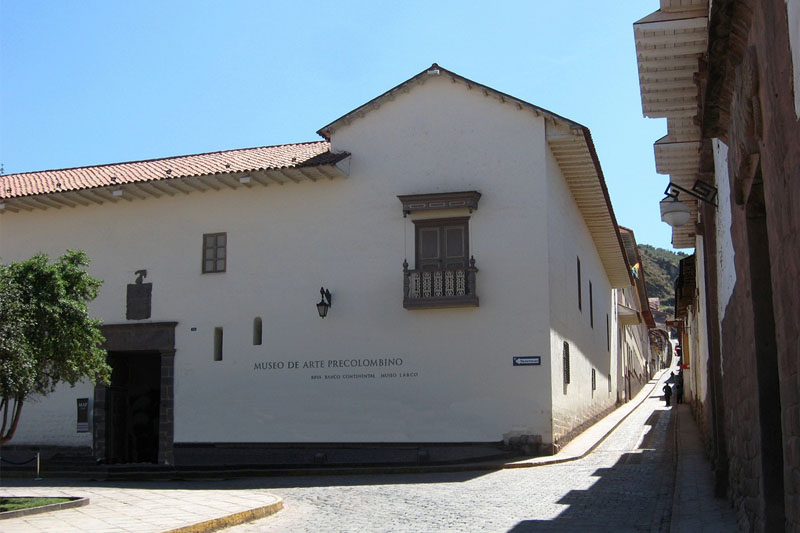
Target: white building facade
{"points": [[465, 236]]}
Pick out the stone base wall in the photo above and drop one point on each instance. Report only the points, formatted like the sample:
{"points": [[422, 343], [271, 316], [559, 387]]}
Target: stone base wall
{"points": [[566, 430], [781, 166], [567, 426], [760, 337]]}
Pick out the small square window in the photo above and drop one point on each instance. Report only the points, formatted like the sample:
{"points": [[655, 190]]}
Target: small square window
{"points": [[214, 252]]}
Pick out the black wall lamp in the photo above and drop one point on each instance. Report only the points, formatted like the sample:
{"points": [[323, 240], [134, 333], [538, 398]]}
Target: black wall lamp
{"points": [[701, 190], [676, 213], [324, 302]]}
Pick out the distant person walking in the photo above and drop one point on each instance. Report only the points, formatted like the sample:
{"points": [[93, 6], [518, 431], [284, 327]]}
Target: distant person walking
{"points": [[667, 393], [679, 388]]}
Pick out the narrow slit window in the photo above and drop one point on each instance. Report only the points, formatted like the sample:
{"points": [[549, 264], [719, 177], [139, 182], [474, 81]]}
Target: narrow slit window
{"points": [[217, 344], [594, 379], [591, 306], [580, 303], [257, 331], [608, 334], [566, 363]]}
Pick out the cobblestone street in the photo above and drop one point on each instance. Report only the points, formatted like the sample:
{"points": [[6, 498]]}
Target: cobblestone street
{"points": [[648, 474], [624, 485]]}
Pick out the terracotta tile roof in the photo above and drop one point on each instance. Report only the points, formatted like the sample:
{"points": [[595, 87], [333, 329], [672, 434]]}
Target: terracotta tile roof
{"points": [[214, 163]]}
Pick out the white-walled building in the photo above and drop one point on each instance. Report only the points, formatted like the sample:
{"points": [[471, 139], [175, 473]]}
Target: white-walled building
{"points": [[636, 362], [468, 243]]}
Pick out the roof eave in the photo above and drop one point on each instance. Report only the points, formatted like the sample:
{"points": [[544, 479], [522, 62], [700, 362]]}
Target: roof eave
{"points": [[434, 70], [336, 167]]}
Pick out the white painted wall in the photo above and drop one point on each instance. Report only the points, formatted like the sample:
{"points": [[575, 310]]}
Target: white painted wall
{"points": [[590, 347], [696, 388], [793, 15], [726, 269], [456, 382], [52, 420], [444, 137], [634, 348]]}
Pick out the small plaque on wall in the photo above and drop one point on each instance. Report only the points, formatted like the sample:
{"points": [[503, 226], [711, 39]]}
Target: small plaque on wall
{"points": [[83, 415]]}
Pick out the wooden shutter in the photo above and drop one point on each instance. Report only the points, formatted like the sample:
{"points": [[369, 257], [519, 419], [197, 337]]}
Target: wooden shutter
{"points": [[455, 246], [442, 243], [429, 255]]}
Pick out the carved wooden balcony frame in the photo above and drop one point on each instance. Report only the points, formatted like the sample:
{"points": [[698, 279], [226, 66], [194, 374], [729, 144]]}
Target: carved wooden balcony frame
{"points": [[468, 299]]}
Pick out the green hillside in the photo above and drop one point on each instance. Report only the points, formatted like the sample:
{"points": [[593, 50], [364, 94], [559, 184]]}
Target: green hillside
{"points": [[660, 271]]}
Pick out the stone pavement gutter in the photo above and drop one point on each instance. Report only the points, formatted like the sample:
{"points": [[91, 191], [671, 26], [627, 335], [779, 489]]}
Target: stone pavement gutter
{"points": [[144, 508], [234, 519]]}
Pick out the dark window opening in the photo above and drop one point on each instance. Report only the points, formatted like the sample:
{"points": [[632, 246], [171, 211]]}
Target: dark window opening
{"points": [[257, 331], [566, 363], [580, 303], [591, 306], [217, 344], [766, 358]]}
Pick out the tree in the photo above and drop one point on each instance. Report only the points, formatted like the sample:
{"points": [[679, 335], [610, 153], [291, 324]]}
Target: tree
{"points": [[46, 334]]}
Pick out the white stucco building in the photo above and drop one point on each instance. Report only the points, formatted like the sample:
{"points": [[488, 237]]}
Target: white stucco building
{"points": [[501, 328]]}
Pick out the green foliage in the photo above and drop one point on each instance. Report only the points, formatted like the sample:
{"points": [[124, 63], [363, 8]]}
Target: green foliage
{"points": [[46, 333], [660, 271], [16, 504]]}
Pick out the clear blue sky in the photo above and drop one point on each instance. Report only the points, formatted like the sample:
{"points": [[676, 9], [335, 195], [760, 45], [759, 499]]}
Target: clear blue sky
{"points": [[92, 82]]}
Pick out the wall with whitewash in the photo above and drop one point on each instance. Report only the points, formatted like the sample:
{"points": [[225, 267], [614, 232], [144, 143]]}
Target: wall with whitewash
{"points": [[52, 420], [444, 137], [453, 378], [726, 268], [590, 344], [698, 371], [634, 349], [793, 14]]}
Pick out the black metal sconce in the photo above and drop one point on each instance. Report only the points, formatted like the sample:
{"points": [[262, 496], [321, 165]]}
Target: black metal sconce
{"points": [[701, 190], [676, 213], [324, 302]]}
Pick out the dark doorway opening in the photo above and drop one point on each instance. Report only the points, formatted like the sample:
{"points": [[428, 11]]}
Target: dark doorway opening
{"points": [[766, 355], [132, 405]]}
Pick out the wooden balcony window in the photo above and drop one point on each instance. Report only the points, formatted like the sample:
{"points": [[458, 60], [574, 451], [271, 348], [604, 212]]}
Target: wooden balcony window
{"points": [[444, 274]]}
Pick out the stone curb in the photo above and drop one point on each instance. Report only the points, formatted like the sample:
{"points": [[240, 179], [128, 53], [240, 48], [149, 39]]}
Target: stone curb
{"points": [[231, 520], [260, 512], [415, 469], [594, 446], [76, 502]]}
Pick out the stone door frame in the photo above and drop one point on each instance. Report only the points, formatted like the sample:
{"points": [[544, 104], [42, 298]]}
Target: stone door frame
{"points": [[141, 337]]}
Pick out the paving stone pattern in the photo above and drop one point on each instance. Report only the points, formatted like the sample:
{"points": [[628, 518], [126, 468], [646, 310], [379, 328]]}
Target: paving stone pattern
{"points": [[624, 485]]}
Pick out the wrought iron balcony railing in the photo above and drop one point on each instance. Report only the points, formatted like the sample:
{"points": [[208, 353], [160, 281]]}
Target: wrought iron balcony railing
{"points": [[447, 287]]}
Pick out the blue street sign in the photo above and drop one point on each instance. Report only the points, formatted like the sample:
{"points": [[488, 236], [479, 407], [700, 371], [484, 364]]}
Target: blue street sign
{"points": [[527, 360]]}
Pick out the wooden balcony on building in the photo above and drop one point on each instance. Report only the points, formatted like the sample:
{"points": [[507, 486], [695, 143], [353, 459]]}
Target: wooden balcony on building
{"points": [[439, 288]]}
